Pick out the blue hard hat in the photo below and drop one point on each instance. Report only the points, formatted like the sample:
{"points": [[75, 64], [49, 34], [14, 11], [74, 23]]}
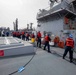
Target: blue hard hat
{"points": [[70, 36]]}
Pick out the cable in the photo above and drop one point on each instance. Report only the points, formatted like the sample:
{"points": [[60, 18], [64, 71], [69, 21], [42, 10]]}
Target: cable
{"points": [[13, 73], [22, 68]]}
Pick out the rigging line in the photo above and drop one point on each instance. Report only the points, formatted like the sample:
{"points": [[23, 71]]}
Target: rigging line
{"points": [[25, 64]]}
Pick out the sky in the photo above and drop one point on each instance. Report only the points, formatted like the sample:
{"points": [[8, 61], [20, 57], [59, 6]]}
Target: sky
{"points": [[24, 10]]}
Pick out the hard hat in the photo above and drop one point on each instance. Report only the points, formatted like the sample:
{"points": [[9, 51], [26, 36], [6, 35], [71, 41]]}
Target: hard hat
{"points": [[70, 36]]}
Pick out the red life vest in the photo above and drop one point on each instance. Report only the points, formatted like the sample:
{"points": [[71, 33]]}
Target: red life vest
{"points": [[33, 36], [17, 33], [70, 42], [23, 33], [47, 38], [14, 33], [39, 34]]}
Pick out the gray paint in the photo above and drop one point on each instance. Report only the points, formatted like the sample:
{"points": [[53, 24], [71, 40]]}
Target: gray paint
{"points": [[52, 26], [16, 47], [75, 43], [19, 50], [62, 5], [53, 21], [43, 63], [11, 45]]}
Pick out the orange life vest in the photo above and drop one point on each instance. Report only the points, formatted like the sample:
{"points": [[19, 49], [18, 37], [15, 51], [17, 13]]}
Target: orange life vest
{"points": [[47, 38], [70, 42]]}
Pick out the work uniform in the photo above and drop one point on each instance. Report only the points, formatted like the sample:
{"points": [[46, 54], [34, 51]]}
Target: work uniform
{"points": [[32, 36], [14, 34], [47, 39], [7, 33], [39, 39], [33, 39], [19, 34], [69, 46], [23, 35], [27, 36]]}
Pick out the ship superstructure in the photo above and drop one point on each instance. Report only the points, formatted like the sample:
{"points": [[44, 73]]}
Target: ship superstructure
{"points": [[60, 19]]}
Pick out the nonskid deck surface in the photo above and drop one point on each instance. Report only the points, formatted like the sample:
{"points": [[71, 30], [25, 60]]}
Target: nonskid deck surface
{"points": [[8, 40], [43, 63]]}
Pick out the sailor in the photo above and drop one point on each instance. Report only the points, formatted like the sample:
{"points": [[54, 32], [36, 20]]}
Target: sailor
{"points": [[47, 39], [7, 33], [33, 39], [32, 35], [39, 39], [23, 35], [27, 36], [69, 47]]}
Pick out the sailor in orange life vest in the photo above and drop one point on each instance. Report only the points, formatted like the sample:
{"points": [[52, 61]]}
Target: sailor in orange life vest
{"points": [[23, 35], [39, 39], [47, 39], [69, 47]]}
